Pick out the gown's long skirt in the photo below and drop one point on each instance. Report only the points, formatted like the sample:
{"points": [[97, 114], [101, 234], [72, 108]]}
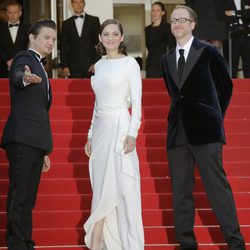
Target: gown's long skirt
{"points": [[115, 183]]}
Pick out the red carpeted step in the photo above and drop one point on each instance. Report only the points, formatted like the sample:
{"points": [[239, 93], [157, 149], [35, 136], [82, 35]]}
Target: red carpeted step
{"points": [[151, 126], [143, 140], [153, 235], [83, 85], [150, 112], [150, 154], [148, 99], [148, 185], [78, 140], [152, 218], [145, 154], [55, 202], [149, 85], [155, 169]]}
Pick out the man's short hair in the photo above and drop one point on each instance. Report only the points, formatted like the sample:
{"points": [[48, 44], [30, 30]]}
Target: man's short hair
{"points": [[13, 2], [44, 23], [191, 12]]}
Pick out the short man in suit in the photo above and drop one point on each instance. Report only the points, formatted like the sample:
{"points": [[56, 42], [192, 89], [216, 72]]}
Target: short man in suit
{"points": [[27, 134], [78, 40], [14, 37], [200, 88]]}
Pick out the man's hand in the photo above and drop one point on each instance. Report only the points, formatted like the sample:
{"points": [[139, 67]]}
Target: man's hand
{"points": [[29, 78], [46, 164], [66, 72]]}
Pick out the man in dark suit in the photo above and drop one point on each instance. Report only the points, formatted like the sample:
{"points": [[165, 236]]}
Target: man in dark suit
{"points": [[238, 20], [27, 134], [14, 37], [198, 82], [78, 40]]}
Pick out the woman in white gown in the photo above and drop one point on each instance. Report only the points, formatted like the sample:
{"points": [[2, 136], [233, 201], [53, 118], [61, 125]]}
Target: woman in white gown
{"points": [[115, 222]]}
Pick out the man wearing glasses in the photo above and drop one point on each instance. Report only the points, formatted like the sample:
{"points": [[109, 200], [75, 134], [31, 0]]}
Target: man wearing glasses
{"points": [[198, 82]]}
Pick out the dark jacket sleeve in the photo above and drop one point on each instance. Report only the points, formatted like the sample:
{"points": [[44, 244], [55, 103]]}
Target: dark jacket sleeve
{"points": [[222, 79], [96, 24]]}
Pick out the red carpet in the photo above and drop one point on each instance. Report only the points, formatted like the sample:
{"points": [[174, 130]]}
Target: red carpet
{"points": [[64, 196]]}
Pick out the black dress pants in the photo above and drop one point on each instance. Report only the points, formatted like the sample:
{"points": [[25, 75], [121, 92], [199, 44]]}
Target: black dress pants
{"points": [[25, 167], [182, 159]]}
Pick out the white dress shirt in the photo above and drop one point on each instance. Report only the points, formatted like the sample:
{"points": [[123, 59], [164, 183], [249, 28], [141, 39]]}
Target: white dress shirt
{"points": [[79, 23], [13, 31], [186, 49]]}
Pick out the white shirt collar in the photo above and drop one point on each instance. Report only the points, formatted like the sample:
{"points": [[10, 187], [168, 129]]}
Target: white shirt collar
{"points": [[186, 48], [83, 13], [18, 22], [36, 53]]}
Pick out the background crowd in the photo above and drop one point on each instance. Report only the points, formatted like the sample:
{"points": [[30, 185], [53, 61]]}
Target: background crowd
{"points": [[223, 23]]}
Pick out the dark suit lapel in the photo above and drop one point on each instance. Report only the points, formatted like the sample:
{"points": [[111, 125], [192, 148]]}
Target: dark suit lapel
{"points": [[19, 34], [8, 35], [73, 25], [193, 56], [171, 60], [85, 24], [45, 80]]}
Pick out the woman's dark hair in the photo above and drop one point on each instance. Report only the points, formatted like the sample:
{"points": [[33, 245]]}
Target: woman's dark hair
{"points": [[44, 23], [164, 17], [100, 48]]}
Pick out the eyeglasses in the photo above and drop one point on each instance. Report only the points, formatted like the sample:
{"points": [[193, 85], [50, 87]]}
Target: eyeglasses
{"points": [[179, 20]]}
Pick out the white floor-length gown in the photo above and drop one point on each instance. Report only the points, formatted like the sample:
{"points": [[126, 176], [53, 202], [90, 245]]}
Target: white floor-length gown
{"points": [[114, 176]]}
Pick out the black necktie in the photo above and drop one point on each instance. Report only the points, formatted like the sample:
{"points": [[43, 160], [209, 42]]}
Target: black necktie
{"points": [[181, 63], [13, 25], [81, 16]]}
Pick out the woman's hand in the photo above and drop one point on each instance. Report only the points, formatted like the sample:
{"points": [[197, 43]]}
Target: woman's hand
{"points": [[87, 148], [129, 144]]}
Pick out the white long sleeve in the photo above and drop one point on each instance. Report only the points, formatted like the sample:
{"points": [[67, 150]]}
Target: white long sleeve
{"points": [[135, 87]]}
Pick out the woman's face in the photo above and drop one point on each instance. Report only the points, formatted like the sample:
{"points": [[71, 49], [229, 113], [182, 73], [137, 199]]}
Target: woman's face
{"points": [[111, 37], [157, 13]]}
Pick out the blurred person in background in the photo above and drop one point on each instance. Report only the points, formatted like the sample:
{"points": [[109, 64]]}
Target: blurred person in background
{"points": [[238, 20], [211, 26], [79, 37], [158, 39], [13, 38]]}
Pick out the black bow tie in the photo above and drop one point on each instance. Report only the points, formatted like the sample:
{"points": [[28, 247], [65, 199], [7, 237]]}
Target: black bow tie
{"points": [[13, 25], [81, 16]]}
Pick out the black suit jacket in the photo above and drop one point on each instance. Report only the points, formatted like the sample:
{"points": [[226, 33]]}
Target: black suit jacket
{"points": [[78, 53], [201, 97], [8, 49], [28, 121]]}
